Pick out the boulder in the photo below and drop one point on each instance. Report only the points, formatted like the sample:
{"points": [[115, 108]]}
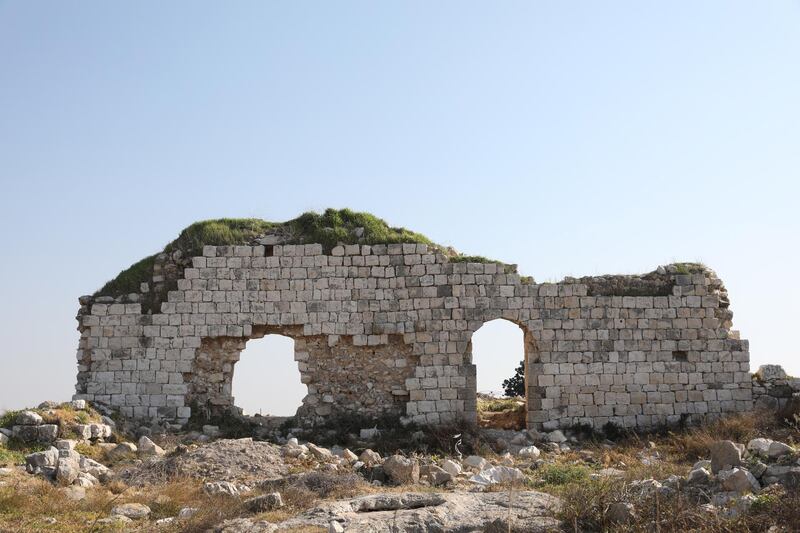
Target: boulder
{"points": [[133, 511], [67, 471], [530, 452], [90, 466], [335, 527], [349, 456], [436, 476], [211, 431], [264, 503], [759, 446], [770, 372], [47, 433], [122, 450], [85, 480], [224, 487], [369, 458], [65, 444], [3, 439], [187, 512], [738, 480], [36, 463], [699, 476], [476, 461], [556, 436], [621, 513], [74, 493], [778, 449], [28, 418], [725, 455], [497, 474], [319, 453], [786, 475], [148, 447], [451, 467], [78, 405], [401, 470]]}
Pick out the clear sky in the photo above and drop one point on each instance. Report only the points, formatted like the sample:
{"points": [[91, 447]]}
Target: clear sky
{"points": [[572, 138]]}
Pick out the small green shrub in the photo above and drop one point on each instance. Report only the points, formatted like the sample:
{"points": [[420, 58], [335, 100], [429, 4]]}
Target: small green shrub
{"points": [[7, 418], [561, 474]]}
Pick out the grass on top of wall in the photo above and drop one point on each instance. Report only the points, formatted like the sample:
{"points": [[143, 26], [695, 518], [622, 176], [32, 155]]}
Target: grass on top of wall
{"points": [[331, 228]]}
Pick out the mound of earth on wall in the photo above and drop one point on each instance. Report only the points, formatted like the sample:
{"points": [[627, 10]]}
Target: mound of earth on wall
{"points": [[331, 228]]}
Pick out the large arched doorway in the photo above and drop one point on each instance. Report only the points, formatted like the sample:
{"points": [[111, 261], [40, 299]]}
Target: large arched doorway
{"points": [[266, 379], [499, 349]]}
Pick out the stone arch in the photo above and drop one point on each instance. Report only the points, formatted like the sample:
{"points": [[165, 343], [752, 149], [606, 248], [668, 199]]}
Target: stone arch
{"points": [[211, 378], [531, 363]]}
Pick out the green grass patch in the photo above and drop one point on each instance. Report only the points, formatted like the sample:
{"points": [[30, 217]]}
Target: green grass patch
{"points": [[7, 418], [689, 268], [562, 474], [11, 457]]}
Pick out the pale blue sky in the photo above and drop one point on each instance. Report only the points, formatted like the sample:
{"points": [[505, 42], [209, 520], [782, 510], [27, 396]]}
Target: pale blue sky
{"points": [[570, 137]]}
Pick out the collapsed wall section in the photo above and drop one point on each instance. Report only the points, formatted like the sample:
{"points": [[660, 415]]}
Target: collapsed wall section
{"points": [[386, 329]]}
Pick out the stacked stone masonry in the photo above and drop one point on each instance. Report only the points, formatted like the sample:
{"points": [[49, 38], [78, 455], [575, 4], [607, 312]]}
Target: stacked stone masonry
{"points": [[386, 329]]}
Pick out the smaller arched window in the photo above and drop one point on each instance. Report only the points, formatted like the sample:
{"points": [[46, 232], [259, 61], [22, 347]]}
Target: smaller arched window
{"points": [[266, 379]]}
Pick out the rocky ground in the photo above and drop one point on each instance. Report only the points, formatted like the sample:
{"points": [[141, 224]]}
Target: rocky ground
{"points": [[67, 467]]}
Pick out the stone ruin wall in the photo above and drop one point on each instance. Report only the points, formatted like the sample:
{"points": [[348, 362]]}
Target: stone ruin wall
{"points": [[386, 329]]}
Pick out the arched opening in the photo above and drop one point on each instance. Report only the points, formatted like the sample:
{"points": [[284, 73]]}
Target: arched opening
{"points": [[266, 379], [498, 353]]}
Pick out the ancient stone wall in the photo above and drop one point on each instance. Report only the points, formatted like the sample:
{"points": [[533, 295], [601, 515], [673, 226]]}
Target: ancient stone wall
{"points": [[387, 329]]}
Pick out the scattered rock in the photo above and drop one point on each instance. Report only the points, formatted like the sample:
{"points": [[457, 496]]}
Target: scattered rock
{"points": [[187, 512], [211, 431], [78, 405], [497, 474], [621, 513], [451, 467], [770, 372], [778, 449], [322, 454], [556, 436], [401, 470], [74, 493], [530, 452], [759, 446], [28, 418], [133, 511], [148, 447], [67, 471], [3, 439], [224, 487], [699, 476], [369, 457], [122, 450], [738, 480], [475, 461], [335, 527], [725, 455], [244, 525], [264, 503], [436, 476], [39, 462]]}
